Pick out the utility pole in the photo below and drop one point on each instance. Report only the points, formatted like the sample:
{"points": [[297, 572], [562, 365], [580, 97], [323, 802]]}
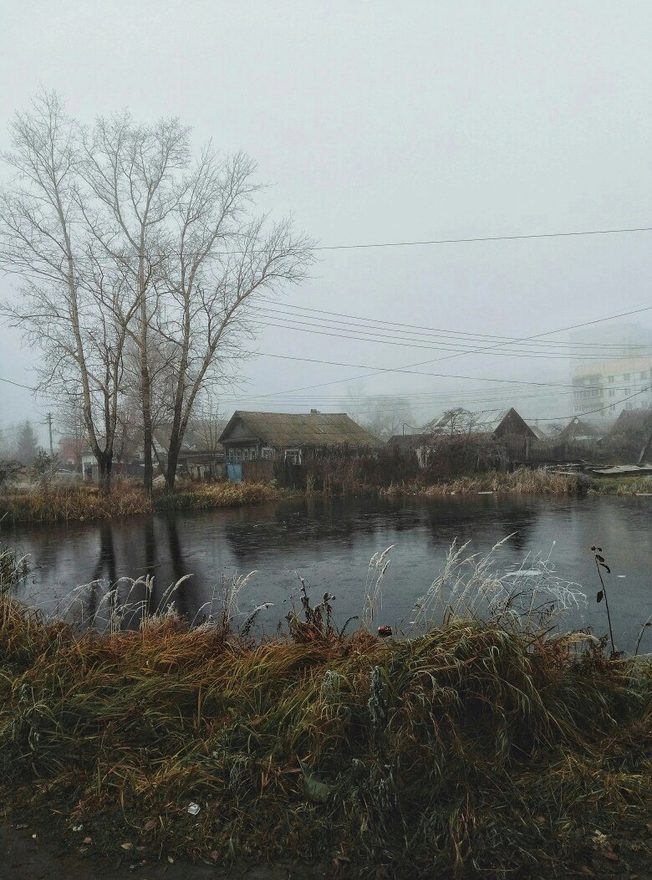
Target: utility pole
{"points": [[49, 423]]}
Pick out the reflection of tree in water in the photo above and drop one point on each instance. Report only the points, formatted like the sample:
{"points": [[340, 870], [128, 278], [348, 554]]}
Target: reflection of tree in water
{"points": [[181, 596], [104, 569], [154, 564], [106, 558]]}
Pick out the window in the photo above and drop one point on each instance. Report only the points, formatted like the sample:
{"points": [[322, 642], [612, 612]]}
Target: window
{"points": [[267, 453], [293, 456], [611, 392], [643, 374], [610, 379], [626, 377]]}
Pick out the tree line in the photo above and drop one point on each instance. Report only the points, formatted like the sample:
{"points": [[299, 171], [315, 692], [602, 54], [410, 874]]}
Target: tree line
{"points": [[139, 264]]}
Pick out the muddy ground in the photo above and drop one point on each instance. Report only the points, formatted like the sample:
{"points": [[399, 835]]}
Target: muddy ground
{"points": [[24, 857]]}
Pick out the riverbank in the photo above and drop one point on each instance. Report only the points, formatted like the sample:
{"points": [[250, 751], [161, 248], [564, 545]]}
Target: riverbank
{"points": [[471, 749], [84, 503], [523, 481], [81, 503]]}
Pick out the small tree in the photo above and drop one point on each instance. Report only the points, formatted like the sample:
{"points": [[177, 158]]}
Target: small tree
{"points": [[8, 470], [27, 447], [44, 468]]}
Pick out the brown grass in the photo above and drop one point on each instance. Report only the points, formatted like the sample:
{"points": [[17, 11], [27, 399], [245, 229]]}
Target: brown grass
{"points": [[469, 751], [84, 502], [521, 481]]}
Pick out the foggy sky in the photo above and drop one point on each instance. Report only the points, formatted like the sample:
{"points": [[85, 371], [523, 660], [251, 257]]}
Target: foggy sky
{"points": [[386, 121]]}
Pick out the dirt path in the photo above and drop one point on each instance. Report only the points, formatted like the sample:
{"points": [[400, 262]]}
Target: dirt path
{"points": [[23, 857]]}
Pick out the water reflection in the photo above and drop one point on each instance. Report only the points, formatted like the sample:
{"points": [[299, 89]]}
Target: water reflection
{"points": [[330, 543]]}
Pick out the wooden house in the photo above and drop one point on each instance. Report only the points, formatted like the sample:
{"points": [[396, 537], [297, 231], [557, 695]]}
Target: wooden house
{"points": [[201, 456], [579, 432], [290, 438], [501, 438]]}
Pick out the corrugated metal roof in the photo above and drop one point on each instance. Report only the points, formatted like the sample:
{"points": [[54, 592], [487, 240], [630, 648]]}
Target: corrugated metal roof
{"points": [[462, 422], [301, 429]]}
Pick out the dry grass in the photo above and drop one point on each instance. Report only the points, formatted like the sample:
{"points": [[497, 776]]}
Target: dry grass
{"points": [[521, 481], [469, 751], [622, 486], [207, 496], [84, 502]]}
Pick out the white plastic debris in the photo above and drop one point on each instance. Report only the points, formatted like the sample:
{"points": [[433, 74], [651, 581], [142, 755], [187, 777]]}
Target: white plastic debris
{"points": [[193, 808]]}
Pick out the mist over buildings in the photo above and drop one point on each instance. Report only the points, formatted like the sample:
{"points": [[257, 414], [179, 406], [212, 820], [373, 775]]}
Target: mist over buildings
{"points": [[375, 123]]}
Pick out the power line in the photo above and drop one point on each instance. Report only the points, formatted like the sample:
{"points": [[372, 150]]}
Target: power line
{"points": [[407, 368], [446, 333], [483, 238], [397, 341], [17, 384], [591, 412], [528, 236]]}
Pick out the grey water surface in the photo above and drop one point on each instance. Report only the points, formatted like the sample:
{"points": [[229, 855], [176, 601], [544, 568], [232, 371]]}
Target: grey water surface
{"points": [[329, 544]]}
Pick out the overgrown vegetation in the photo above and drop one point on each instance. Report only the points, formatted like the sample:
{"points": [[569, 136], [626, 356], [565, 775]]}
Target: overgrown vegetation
{"points": [[475, 749], [623, 486], [522, 480], [84, 502], [205, 496]]}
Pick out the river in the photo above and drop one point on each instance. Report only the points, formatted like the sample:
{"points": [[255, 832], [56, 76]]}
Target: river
{"points": [[329, 544]]}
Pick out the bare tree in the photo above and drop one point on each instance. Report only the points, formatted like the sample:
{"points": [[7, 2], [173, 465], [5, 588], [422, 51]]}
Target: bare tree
{"points": [[125, 245], [130, 169], [221, 260], [208, 424], [72, 308]]}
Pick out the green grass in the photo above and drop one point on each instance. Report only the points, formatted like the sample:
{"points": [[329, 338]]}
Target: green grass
{"points": [[470, 751]]}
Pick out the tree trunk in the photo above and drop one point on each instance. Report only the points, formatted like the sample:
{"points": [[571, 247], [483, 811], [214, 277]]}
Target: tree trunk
{"points": [[172, 463], [105, 467], [146, 394], [148, 477]]}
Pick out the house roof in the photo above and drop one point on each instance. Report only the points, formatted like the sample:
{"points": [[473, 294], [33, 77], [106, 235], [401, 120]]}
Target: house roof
{"points": [[297, 429], [577, 429], [506, 421], [631, 420], [408, 442], [200, 436]]}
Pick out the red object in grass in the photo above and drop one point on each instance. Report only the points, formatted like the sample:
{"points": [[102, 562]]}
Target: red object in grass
{"points": [[384, 631]]}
